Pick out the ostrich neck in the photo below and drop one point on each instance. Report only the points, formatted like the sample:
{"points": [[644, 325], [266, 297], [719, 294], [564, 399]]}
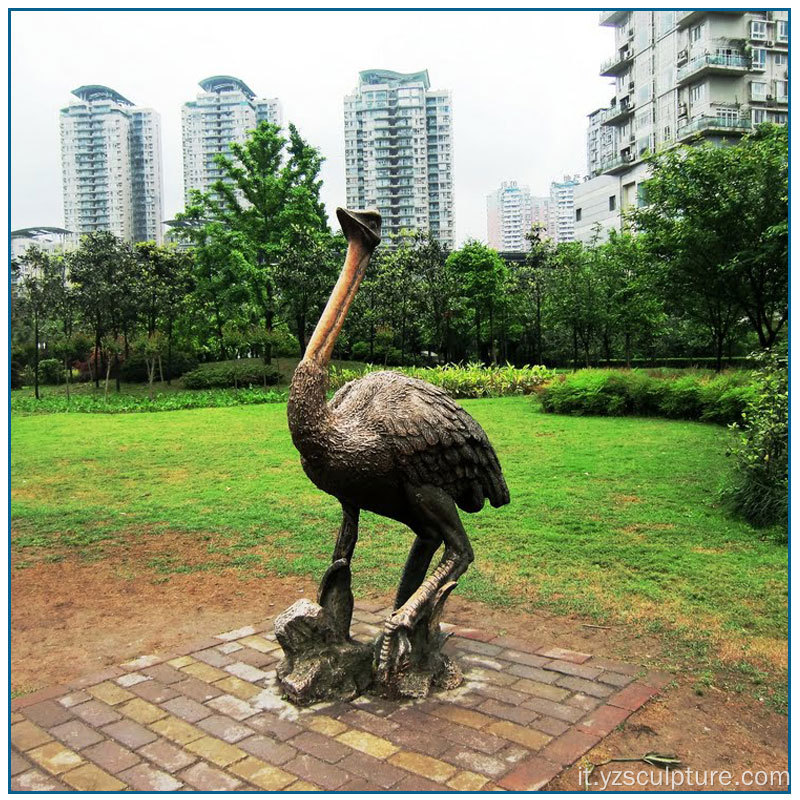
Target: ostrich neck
{"points": [[309, 417]]}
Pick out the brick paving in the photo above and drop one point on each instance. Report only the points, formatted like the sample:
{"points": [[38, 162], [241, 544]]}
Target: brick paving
{"points": [[209, 717]]}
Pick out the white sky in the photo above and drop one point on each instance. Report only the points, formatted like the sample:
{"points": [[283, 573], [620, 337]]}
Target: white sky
{"points": [[522, 83]]}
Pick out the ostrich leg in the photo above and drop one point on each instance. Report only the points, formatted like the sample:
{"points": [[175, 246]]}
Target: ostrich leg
{"points": [[417, 563], [335, 594]]}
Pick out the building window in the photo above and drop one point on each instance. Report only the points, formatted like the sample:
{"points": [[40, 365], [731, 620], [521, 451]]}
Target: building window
{"points": [[758, 60], [758, 90], [758, 29], [780, 59], [612, 202], [698, 92], [696, 33], [783, 30], [778, 117], [577, 215], [782, 90]]}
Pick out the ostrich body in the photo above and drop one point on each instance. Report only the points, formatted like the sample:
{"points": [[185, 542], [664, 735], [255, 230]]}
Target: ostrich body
{"points": [[392, 445]]}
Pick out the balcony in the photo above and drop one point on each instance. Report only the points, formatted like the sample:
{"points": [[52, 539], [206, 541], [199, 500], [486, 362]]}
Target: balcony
{"points": [[614, 17], [714, 126], [618, 164], [619, 112], [713, 64], [617, 63]]}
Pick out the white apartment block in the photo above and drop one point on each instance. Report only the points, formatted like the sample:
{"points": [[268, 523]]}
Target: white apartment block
{"points": [[111, 165], [511, 212], [562, 209], [680, 77], [226, 111], [399, 152]]}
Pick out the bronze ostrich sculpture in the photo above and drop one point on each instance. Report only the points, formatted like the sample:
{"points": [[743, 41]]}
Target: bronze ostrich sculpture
{"points": [[392, 445]]}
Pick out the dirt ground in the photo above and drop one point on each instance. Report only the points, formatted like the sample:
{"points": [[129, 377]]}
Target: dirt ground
{"points": [[71, 618]]}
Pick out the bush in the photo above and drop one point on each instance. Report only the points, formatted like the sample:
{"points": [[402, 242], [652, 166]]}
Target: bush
{"points": [[472, 380], [690, 395], [759, 487], [134, 369], [51, 370], [238, 374]]}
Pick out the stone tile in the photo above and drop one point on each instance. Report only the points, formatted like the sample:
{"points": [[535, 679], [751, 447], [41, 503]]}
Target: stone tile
{"points": [[484, 662], [576, 670], [517, 714], [204, 672], [76, 734], [186, 708], [513, 754], [256, 659], [368, 743], [167, 755], [587, 687], [111, 756], [320, 746], [196, 689], [180, 661], [356, 718], [216, 751], [534, 673], [410, 739], [268, 749], [142, 711], [259, 643], [558, 710], [527, 737], [154, 691], [144, 778], [110, 693], [141, 661], [34, 781], [477, 646], [617, 679], [229, 647], [550, 726], [530, 775], [25, 735], [515, 643], [225, 728], [232, 707], [89, 778], [39, 696], [372, 769], [246, 672], [109, 673], [213, 657], [467, 781], [303, 786], [432, 768], [327, 726], [583, 701], [569, 747], [465, 758], [560, 654], [17, 764], [360, 785], [502, 693], [633, 696], [545, 690], [461, 716], [74, 699], [603, 720], [474, 634], [239, 633], [177, 730], [95, 713], [55, 758], [416, 783], [318, 772], [131, 679], [518, 657], [239, 688], [274, 726], [47, 714], [130, 733], [265, 776], [480, 675]]}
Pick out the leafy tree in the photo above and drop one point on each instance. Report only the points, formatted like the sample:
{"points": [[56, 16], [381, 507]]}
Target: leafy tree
{"points": [[531, 283], [717, 219]]}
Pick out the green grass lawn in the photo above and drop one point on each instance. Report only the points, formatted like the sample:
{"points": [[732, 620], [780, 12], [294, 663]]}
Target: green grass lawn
{"points": [[613, 518]]}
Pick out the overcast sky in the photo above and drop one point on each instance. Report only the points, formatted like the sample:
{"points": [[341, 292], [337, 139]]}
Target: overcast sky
{"points": [[522, 83]]}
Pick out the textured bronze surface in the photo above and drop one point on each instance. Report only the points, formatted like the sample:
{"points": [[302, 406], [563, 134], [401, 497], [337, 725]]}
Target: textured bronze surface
{"points": [[401, 448]]}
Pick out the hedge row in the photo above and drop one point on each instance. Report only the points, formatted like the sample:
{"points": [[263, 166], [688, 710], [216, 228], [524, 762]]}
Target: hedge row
{"points": [[699, 396], [232, 374]]}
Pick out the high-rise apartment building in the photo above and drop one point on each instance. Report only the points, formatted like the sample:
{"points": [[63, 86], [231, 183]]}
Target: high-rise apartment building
{"points": [[562, 209], [399, 152], [679, 77], [111, 165], [511, 212], [225, 111]]}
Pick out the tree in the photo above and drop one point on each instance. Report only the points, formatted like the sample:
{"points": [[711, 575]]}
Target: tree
{"points": [[717, 220], [269, 188], [483, 276], [531, 282]]}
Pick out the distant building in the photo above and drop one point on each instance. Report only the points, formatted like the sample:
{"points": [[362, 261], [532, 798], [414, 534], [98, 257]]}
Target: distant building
{"points": [[111, 165], [50, 239], [562, 209], [226, 111], [399, 152], [508, 217], [679, 77]]}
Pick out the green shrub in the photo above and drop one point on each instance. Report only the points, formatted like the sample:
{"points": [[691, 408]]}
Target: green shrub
{"points": [[759, 487], [236, 374], [692, 395], [134, 369], [51, 370], [463, 381]]}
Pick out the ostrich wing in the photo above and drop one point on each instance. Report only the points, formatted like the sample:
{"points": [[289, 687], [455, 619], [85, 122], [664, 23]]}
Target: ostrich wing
{"points": [[431, 439]]}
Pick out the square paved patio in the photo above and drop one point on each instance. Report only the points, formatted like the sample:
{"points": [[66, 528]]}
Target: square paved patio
{"points": [[209, 716]]}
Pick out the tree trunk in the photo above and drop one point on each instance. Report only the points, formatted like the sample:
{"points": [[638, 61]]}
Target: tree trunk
{"points": [[108, 375], [151, 372], [97, 352], [160, 369], [67, 371], [116, 372], [36, 355], [169, 353]]}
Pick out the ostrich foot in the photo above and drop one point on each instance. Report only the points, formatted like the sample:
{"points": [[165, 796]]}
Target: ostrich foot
{"points": [[410, 662]]}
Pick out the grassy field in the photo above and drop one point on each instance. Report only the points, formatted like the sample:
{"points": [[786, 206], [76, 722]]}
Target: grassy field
{"points": [[612, 518]]}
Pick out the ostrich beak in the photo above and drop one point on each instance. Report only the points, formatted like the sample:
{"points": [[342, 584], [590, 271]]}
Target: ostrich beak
{"points": [[366, 225]]}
